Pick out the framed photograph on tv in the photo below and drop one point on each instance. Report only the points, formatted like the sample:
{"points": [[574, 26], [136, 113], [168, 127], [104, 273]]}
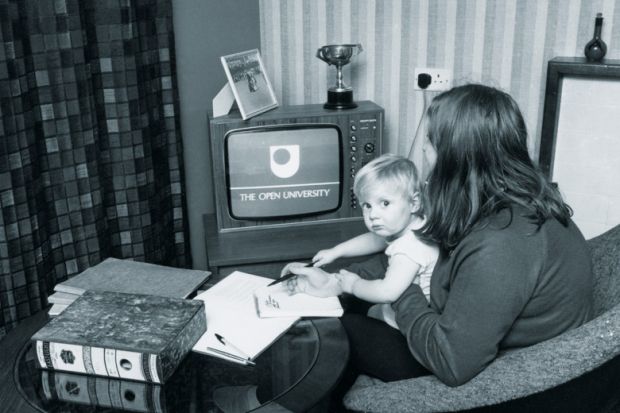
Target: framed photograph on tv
{"points": [[249, 83]]}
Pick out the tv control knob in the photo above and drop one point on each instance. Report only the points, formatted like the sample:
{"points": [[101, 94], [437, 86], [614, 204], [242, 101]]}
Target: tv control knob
{"points": [[353, 158], [369, 147], [353, 138], [353, 127], [353, 148]]}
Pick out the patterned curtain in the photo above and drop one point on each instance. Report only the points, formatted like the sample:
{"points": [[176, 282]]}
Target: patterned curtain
{"points": [[90, 143]]}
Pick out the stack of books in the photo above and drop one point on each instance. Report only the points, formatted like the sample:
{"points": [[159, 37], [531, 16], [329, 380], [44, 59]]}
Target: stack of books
{"points": [[122, 329], [127, 276]]}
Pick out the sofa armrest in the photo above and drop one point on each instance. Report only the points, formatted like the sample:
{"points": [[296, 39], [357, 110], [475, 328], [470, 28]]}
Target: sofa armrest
{"points": [[511, 376]]}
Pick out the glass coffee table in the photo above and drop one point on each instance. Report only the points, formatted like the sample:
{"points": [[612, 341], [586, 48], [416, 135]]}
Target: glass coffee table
{"points": [[296, 373]]}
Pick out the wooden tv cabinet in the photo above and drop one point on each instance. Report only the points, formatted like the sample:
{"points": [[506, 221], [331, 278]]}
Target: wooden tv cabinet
{"points": [[265, 251]]}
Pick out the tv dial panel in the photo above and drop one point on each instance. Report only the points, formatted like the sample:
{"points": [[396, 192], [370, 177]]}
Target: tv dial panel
{"points": [[364, 146]]}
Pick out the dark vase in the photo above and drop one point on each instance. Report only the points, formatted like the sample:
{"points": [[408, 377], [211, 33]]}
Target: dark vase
{"points": [[596, 48]]}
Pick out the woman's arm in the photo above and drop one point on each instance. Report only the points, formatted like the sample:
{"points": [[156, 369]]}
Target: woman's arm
{"points": [[399, 275]]}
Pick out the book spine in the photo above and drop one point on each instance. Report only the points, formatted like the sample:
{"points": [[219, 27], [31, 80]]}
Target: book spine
{"points": [[99, 361]]}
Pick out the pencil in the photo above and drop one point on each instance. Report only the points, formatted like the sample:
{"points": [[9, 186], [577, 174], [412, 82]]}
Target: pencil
{"points": [[286, 277]]}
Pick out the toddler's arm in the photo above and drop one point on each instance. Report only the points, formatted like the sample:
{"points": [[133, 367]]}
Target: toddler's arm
{"points": [[399, 275], [364, 244]]}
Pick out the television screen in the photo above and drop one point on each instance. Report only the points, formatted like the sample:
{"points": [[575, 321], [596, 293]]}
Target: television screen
{"points": [[275, 171]]}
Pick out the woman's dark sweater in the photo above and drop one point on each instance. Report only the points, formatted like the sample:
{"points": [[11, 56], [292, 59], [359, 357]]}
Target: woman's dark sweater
{"points": [[506, 285]]}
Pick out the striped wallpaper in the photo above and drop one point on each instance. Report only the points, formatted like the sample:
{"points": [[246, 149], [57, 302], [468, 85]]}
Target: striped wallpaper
{"points": [[503, 43]]}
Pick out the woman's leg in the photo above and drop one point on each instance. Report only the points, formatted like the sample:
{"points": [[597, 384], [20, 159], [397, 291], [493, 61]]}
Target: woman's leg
{"points": [[379, 350]]}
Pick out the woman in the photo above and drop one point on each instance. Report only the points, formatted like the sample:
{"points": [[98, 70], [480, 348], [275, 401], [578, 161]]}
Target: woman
{"points": [[513, 270]]}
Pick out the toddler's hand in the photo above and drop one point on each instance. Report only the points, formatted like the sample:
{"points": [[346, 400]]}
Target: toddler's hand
{"points": [[325, 257], [346, 280]]}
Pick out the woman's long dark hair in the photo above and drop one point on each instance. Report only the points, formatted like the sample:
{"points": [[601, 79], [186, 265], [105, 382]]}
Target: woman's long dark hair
{"points": [[482, 165]]}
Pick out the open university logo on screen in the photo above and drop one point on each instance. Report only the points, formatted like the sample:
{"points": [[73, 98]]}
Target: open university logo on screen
{"points": [[284, 160]]}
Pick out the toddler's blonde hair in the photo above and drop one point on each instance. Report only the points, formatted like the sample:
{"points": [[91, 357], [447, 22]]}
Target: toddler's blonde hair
{"points": [[387, 168]]}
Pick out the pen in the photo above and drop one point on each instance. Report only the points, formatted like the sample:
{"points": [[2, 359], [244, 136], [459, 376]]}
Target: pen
{"points": [[230, 345], [286, 277], [231, 356]]}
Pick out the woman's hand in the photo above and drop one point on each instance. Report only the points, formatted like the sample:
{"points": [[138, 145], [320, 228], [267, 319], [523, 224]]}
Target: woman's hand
{"points": [[287, 268], [325, 257], [313, 281]]}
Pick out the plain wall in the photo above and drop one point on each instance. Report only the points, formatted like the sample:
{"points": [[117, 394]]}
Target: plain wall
{"points": [[204, 31]]}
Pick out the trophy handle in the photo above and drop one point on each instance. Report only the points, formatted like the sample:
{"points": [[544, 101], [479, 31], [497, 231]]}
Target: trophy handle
{"points": [[319, 54], [322, 50]]}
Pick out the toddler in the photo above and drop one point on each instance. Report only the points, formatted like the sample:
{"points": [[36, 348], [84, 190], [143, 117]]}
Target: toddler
{"points": [[388, 192]]}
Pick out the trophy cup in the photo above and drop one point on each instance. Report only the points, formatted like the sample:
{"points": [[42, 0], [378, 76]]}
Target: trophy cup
{"points": [[339, 96]]}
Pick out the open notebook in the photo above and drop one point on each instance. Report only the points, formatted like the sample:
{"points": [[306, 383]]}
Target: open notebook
{"points": [[231, 313], [249, 316]]}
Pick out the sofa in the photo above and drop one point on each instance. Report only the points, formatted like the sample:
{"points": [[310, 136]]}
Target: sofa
{"points": [[577, 371]]}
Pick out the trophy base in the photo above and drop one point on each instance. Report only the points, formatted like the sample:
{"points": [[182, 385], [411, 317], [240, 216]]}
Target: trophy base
{"points": [[340, 100]]}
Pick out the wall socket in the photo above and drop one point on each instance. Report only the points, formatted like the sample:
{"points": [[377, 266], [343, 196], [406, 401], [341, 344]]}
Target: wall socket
{"points": [[432, 79]]}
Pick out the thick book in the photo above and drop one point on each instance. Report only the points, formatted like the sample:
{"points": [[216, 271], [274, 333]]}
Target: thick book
{"points": [[130, 276], [235, 332], [56, 309], [128, 336], [275, 301], [62, 298], [103, 392]]}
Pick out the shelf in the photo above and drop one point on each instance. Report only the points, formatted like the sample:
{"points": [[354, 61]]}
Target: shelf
{"points": [[279, 244]]}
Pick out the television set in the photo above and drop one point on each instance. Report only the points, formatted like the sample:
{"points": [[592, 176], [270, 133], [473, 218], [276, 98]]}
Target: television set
{"points": [[291, 166]]}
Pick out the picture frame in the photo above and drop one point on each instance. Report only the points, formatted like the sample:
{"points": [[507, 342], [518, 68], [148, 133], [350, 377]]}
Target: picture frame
{"points": [[579, 139], [249, 83]]}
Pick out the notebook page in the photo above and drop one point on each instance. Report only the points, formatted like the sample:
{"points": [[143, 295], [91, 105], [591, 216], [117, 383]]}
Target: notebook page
{"points": [[231, 312]]}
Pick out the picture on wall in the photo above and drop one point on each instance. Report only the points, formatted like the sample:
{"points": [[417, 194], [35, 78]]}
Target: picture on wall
{"points": [[579, 139], [249, 83]]}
